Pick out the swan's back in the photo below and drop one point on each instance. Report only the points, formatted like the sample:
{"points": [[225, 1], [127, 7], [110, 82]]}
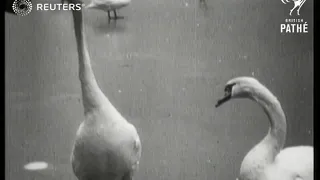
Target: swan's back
{"points": [[292, 163], [108, 4]]}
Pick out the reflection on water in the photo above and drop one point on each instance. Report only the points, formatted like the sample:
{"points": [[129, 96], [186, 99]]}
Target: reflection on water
{"points": [[112, 27], [203, 5]]}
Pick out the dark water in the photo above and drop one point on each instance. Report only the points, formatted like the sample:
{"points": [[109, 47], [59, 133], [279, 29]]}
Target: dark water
{"points": [[163, 66]]}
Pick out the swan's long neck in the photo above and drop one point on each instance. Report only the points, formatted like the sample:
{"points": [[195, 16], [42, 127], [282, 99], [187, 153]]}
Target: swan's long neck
{"points": [[278, 127], [265, 152], [92, 96]]}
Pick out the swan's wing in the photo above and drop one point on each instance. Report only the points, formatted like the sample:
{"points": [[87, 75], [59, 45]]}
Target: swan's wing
{"points": [[136, 151], [294, 163], [130, 146]]}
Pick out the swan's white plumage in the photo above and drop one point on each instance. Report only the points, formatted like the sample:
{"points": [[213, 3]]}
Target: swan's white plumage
{"points": [[267, 160], [292, 163], [107, 146], [108, 5]]}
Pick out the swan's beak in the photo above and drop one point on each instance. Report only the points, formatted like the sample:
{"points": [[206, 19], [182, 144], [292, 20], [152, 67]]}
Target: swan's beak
{"points": [[227, 97]]}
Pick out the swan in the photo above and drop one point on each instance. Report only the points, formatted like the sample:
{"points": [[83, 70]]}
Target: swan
{"points": [[108, 6], [107, 146], [268, 160]]}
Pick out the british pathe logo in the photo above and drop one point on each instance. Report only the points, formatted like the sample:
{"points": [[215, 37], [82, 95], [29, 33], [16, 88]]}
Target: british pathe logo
{"points": [[294, 25], [22, 7]]}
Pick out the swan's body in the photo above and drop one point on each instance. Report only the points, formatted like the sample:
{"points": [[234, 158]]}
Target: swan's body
{"points": [[107, 146], [292, 163], [108, 5], [268, 160]]}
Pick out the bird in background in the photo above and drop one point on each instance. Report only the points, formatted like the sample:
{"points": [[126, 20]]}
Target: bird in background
{"points": [[268, 160], [109, 6], [107, 146]]}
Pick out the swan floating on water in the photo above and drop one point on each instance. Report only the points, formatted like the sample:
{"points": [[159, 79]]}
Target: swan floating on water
{"points": [[107, 146], [268, 160], [108, 6]]}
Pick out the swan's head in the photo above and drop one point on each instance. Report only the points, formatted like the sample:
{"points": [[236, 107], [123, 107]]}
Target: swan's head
{"points": [[239, 87]]}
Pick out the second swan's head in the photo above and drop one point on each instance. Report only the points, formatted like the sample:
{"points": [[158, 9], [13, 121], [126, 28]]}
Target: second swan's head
{"points": [[239, 87]]}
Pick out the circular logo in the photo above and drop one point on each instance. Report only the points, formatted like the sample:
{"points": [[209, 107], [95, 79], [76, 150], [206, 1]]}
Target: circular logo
{"points": [[22, 7]]}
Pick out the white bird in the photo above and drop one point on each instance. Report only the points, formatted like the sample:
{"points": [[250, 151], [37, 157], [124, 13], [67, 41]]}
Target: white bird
{"points": [[107, 146], [108, 6], [268, 160]]}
